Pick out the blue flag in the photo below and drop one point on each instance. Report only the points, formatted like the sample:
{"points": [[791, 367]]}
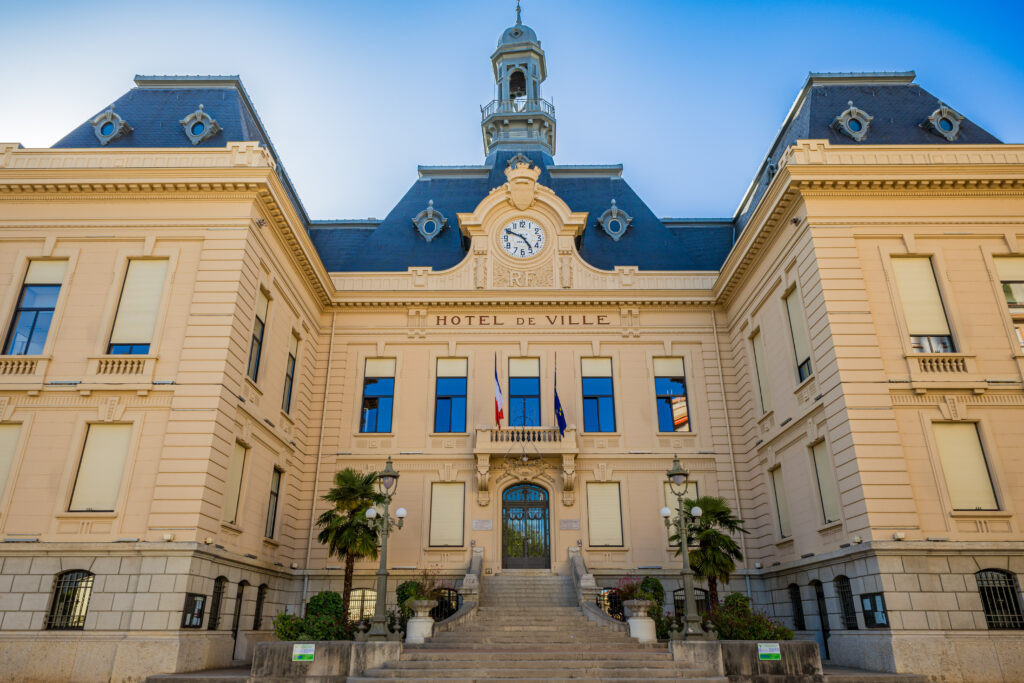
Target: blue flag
{"points": [[559, 415]]}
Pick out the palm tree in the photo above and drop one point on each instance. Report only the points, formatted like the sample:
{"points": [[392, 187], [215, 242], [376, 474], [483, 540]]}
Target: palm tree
{"points": [[343, 528], [713, 554]]}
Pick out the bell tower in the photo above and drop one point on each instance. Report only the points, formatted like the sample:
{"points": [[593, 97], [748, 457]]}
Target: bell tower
{"points": [[518, 119]]}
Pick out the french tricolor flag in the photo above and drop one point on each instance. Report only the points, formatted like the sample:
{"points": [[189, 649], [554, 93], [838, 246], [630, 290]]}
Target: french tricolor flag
{"points": [[499, 402]]}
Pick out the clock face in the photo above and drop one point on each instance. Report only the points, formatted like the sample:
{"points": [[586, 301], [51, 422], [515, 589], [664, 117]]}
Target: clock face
{"points": [[522, 238]]}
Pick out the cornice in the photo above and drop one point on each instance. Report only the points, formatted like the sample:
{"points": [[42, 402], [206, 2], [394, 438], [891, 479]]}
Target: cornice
{"points": [[461, 300]]}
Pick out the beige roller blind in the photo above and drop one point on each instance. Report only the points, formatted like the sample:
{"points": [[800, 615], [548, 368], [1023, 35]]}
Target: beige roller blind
{"points": [[262, 304], [524, 367], [1010, 268], [782, 504], [45, 272], [8, 442], [604, 514], [668, 367], [451, 367], [826, 482], [597, 367], [963, 462], [761, 369], [233, 485], [99, 473], [380, 367], [447, 513], [798, 326], [922, 305], [140, 299], [293, 346]]}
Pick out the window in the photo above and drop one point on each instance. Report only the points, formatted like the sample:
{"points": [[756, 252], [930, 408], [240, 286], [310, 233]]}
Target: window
{"points": [[873, 606], [598, 397], [524, 392], [236, 618], [759, 372], [1000, 598], [378, 395], [34, 313], [604, 514], [362, 603], [801, 338], [450, 396], [846, 602], [275, 494], [289, 374], [219, 584], [138, 307], [447, 506], [797, 605], [99, 472], [192, 614], [258, 328], [700, 596], [1011, 275], [922, 305], [670, 395], [827, 489], [9, 434], [781, 504], [963, 462], [71, 593], [261, 598], [233, 483]]}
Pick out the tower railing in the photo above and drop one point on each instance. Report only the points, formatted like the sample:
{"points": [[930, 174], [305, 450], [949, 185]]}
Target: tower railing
{"points": [[517, 106]]}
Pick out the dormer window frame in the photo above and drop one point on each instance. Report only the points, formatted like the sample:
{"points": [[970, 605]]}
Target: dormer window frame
{"points": [[200, 126], [108, 127], [944, 122], [853, 123]]}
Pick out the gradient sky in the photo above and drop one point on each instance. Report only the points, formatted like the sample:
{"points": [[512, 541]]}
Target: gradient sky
{"points": [[687, 95]]}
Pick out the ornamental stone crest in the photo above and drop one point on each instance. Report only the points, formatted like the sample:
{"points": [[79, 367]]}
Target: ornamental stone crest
{"points": [[522, 181]]}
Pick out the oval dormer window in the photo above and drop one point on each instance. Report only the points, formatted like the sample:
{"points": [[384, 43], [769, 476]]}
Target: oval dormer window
{"points": [[107, 128], [430, 227], [944, 122], [614, 222], [853, 123], [615, 226], [198, 127], [429, 222]]}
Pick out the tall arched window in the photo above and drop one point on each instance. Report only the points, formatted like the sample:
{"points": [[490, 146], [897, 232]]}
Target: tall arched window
{"points": [[261, 597], [846, 602], [71, 593], [1000, 598], [362, 603], [215, 603], [798, 608]]}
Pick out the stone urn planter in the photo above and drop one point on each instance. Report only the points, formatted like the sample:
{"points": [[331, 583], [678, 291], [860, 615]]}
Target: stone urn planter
{"points": [[641, 626], [420, 626]]}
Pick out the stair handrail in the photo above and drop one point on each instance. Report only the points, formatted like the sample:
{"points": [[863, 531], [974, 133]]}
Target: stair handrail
{"points": [[469, 591], [587, 592]]}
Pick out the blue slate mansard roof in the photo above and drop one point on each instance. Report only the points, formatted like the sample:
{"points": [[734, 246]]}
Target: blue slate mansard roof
{"points": [[898, 106]]}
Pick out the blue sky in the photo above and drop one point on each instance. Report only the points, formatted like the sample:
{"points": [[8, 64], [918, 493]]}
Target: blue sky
{"points": [[687, 95]]}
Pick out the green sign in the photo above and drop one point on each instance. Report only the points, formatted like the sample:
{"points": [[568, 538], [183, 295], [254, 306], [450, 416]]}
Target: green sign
{"points": [[769, 651], [303, 652]]}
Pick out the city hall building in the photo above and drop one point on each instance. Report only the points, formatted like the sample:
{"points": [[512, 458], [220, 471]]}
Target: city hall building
{"points": [[189, 358]]}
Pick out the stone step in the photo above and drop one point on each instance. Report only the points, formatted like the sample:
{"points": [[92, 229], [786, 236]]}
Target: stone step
{"points": [[550, 664], [632, 654], [531, 647], [516, 677], [518, 639], [520, 672]]}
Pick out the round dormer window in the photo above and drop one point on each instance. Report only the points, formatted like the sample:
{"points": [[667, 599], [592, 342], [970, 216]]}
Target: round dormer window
{"points": [[107, 128], [198, 127], [615, 227], [430, 222], [946, 125], [515, 33], [429, 227], [855, 125], [615, 222]]}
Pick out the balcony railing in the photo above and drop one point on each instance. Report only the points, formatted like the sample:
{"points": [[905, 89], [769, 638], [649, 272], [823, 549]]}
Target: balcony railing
{"points": [[943, 363], [517, 106], [545, 440]]}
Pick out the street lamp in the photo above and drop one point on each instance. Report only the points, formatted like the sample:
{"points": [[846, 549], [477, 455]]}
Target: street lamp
{"points": [[679, 482], [387, 485]]}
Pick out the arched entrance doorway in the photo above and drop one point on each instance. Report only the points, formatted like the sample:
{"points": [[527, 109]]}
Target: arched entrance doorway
{"points": [[525, 532]]}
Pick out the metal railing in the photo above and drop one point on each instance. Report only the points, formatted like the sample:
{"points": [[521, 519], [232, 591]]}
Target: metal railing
{"points": [[610, 603], [1000, 598], [71, 593], [517, 106], [525, 435], [703, 600]]}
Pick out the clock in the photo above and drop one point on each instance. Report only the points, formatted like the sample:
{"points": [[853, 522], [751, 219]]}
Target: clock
{"points": [[522, 238]]}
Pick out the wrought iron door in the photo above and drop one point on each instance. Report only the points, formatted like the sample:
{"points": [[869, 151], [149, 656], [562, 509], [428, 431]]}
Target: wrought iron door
{"points": [[525, 533]]}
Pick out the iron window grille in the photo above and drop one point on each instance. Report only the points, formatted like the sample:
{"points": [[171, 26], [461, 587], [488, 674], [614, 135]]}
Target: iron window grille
{"points": [[275, 493], [1000, 598], [610, 603], [192, 615], [71, 593], [32, 319], [873, 606], [448, 603], [362, 603], [257, 616], [236, 618], [846, 602], [701, 597], [215, 602], [798, 608]]}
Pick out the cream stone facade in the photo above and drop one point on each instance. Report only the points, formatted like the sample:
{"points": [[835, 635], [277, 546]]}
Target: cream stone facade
{"points": [[824, 226]]}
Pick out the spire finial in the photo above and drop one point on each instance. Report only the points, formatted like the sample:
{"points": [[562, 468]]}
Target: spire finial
{"points": [[519, 18]]}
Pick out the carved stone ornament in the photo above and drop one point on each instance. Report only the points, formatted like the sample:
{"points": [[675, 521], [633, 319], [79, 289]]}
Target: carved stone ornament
{"points": [[200, 126], [522, 181], [483, 480], [615, 222], [108, 127], [568, 480], [853, 123], [945, 122], [429, 222]]}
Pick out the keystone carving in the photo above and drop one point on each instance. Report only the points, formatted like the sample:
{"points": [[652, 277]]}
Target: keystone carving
{"points": [[483, 480], [522, 182]]}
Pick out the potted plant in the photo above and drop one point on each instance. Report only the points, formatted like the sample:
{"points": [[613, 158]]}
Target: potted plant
{"points": [[421, 597], [637, 602]]}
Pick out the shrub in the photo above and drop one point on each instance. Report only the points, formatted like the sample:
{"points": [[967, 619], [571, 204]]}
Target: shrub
{"points": [[406, 591], [734, 620], [652, 588], [631, 588], [287, 626], [325, 620]]}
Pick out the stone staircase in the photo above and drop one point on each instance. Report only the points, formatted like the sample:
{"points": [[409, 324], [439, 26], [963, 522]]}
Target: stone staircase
{"points": [[529, 627]]}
